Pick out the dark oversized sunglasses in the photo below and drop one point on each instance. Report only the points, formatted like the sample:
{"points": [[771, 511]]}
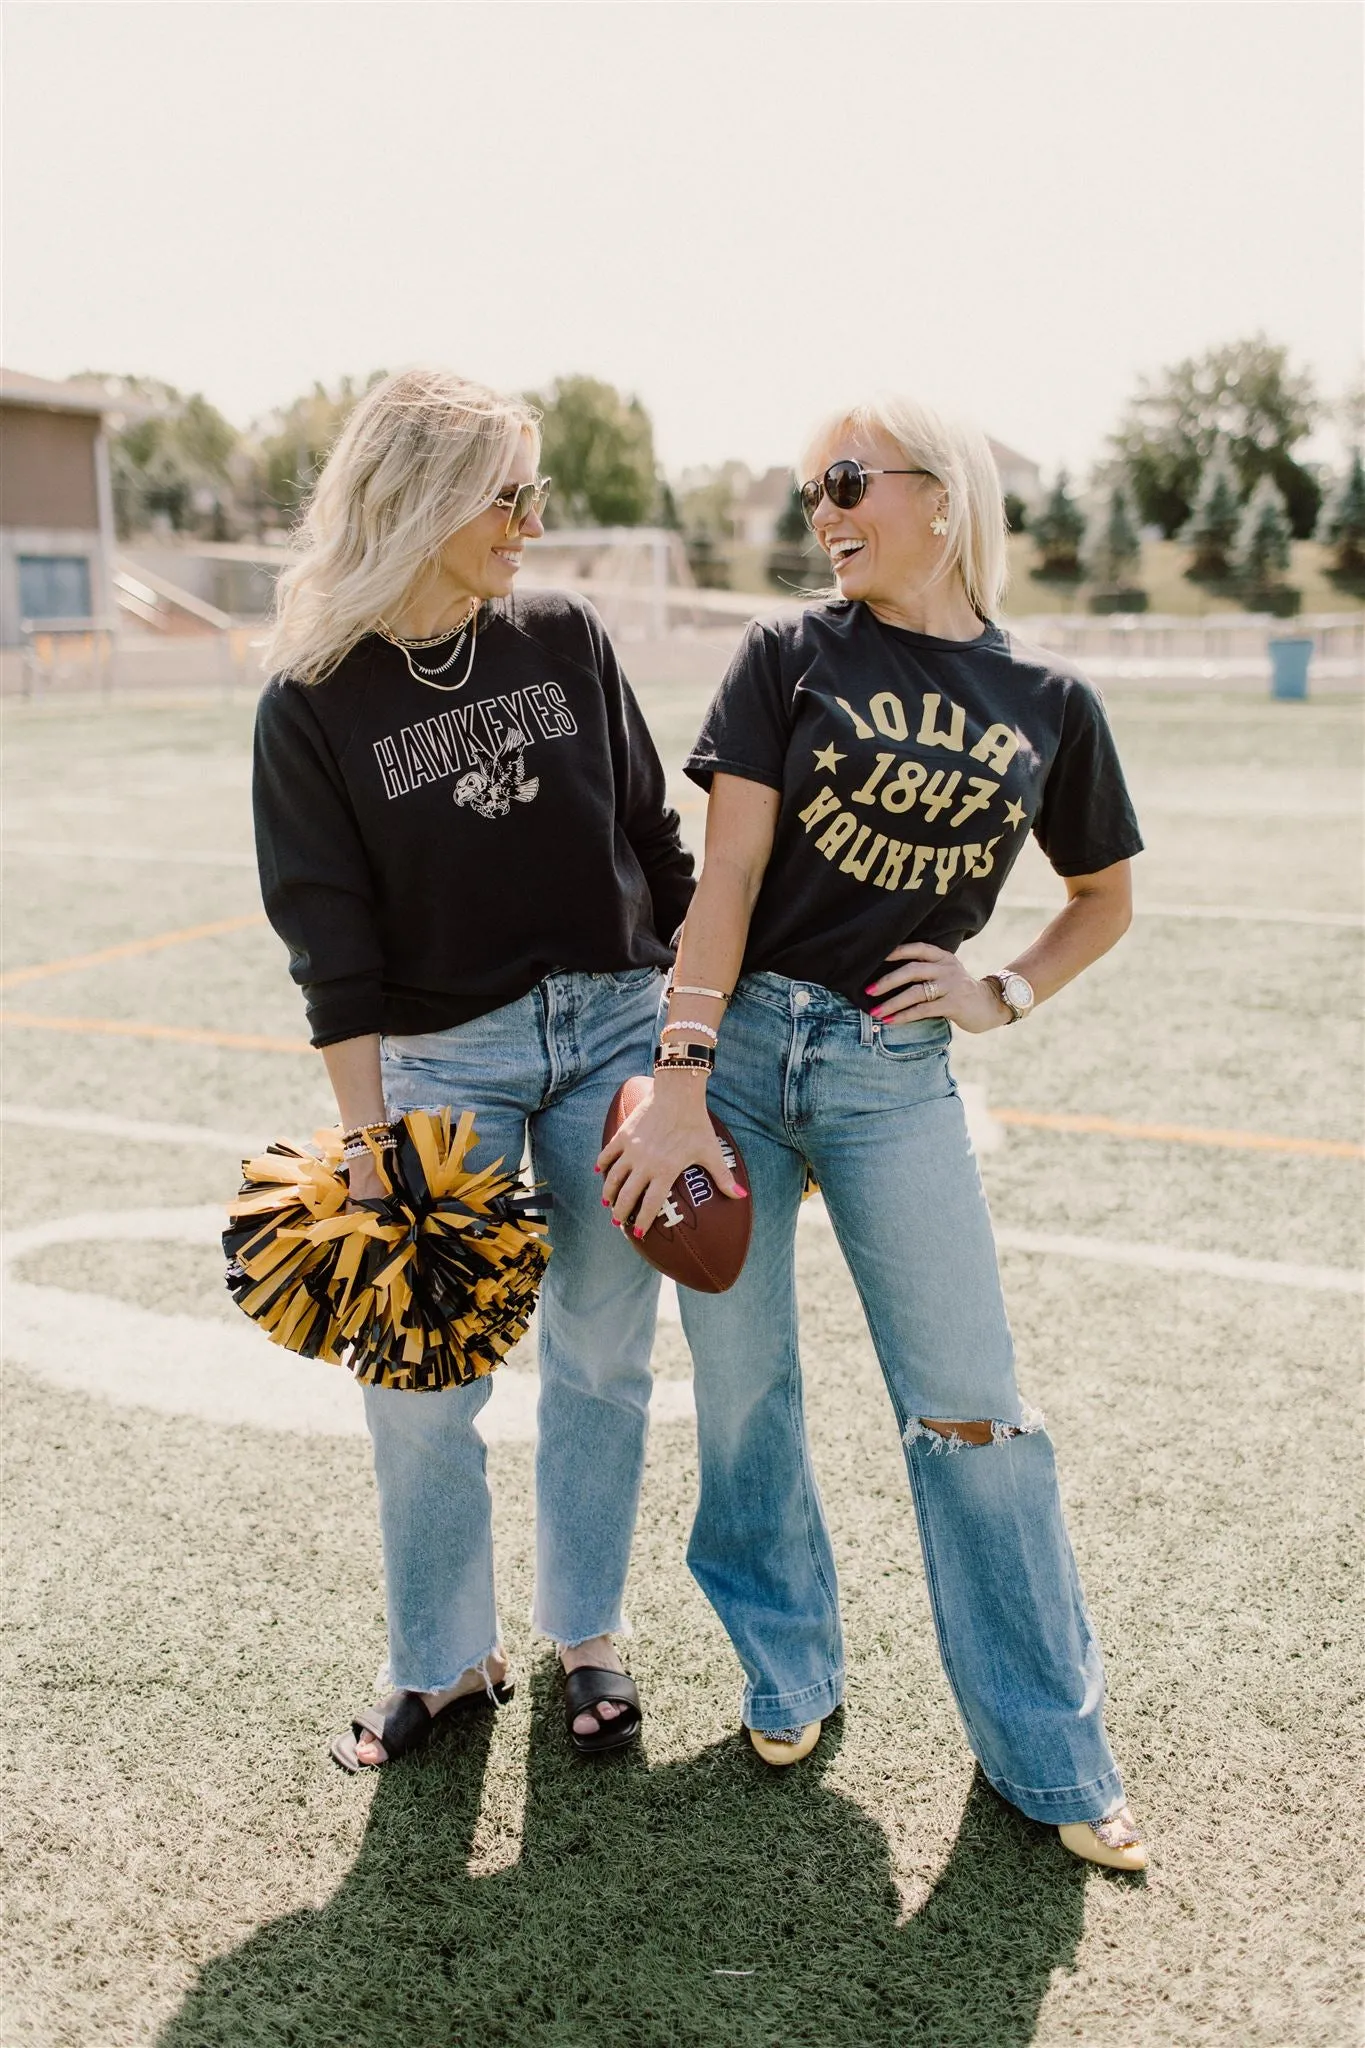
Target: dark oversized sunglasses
{"points": [[845, 485], [519, 501]]}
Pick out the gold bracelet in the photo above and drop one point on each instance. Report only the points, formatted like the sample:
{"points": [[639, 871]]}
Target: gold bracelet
{"points": [[689, 988]]}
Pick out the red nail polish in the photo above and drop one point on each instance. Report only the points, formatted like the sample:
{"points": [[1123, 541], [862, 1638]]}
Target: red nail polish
{"points": [[605, 1203], [639, 1233], [879, 1014], [743, 1193]]}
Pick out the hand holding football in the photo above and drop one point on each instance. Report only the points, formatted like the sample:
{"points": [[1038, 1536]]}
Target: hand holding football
{"points": [[673, 1176]]}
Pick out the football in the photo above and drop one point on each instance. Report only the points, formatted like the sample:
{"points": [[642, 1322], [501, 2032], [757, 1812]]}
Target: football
{"points": [[700, 1237]]}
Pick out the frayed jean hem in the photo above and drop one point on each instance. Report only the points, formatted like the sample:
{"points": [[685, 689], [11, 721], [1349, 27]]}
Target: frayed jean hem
{"points": [[386, 1681], [569, 1639]]}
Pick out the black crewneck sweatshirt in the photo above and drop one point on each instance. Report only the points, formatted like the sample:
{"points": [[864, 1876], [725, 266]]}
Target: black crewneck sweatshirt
{"points": [[428, 855]]}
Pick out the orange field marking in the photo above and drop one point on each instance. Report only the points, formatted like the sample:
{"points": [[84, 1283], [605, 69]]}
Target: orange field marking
{"points": [[1179, 1134], [1027, 1119], [130, 949], [183, 1034]]}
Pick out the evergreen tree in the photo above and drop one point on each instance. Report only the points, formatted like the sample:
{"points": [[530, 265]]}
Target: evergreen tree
{"points": [[796, 560], [1262, 551], [666, 507], [1342, 526], [1114, 546], [1245, 395], [1058, 531], [1211, 529], [792, 529]]}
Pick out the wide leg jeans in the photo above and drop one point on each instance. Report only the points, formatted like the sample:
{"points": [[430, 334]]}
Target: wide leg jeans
{"points": [[803, 1077]]}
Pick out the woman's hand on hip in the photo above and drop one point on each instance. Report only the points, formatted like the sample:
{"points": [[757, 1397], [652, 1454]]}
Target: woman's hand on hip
{"points": [[667, 1133], [924, 981]]}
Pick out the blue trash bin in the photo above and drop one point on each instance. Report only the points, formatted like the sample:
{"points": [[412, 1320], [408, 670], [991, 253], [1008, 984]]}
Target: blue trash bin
{"points": [[1289, 661]]}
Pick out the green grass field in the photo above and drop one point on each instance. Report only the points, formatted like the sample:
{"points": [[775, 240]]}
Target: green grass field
{"points": [[193, 1603]]}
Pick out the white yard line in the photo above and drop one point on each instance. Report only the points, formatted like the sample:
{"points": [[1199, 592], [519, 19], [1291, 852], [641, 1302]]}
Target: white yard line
{"points": [[1169, 1258], [1161, 1258], [222, 1372], [90, 1123], [230, 1374], [53, 849], [985, 1132], [1346, 920]]}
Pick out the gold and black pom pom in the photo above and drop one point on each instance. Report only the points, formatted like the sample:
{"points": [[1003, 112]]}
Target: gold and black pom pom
{"points": [[425, 1288]]}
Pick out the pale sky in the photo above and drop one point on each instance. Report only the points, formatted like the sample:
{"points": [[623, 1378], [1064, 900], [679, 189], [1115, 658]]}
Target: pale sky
{"points": [[743, 212]]}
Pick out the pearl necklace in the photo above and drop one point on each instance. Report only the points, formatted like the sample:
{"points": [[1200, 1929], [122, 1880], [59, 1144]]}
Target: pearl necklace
{"points": [[468, 626]]}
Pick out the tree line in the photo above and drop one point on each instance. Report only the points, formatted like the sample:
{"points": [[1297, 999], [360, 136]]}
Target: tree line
{"points": [[178, 465], [1208, 452]]}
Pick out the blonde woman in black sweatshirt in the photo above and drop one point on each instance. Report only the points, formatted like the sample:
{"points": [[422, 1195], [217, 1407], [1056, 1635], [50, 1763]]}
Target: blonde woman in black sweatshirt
{"points": [[464, 841]]}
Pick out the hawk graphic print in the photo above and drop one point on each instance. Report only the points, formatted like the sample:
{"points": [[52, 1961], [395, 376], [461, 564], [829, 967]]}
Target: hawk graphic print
{"points": [[494, 788], [480, 747]]}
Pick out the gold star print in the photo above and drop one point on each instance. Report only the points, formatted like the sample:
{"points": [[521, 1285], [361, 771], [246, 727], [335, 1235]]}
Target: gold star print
{"points": [[1014, 814], [826, 758]]}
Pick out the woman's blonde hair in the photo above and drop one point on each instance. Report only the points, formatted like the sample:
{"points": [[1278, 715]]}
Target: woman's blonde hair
{"points": [[959, 455], [422, 454]]}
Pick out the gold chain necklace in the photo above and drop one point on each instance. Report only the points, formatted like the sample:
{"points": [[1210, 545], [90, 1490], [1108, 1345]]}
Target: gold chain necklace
{"points": [[469, 625]]}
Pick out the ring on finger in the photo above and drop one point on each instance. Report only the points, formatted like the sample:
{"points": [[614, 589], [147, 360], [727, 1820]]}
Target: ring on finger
{"points": [[930, 992]]}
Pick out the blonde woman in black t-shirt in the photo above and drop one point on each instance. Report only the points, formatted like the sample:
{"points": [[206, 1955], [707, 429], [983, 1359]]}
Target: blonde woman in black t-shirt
{"points": [[874, 766], [465, 843]]}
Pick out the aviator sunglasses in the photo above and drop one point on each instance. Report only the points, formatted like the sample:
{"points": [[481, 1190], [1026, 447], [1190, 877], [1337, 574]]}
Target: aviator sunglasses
{"points": [[845, 485], [519, 501]]}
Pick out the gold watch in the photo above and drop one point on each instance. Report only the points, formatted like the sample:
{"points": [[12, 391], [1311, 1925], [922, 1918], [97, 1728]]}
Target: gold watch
{"points": [[1014, 992]]}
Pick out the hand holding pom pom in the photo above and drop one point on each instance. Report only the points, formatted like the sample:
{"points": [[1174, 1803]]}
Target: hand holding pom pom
{"points": [[425, 1287]]}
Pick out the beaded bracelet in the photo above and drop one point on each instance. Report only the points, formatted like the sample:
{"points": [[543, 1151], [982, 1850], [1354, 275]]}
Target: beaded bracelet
{"points": [[692, 1024], [365, 1139]]}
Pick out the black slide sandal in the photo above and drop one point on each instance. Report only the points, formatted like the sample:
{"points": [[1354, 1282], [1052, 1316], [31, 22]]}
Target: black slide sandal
{"points": [[404, 1724], [584, 1691]]}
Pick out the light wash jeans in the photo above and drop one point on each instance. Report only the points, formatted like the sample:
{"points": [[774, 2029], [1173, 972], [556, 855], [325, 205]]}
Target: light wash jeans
{"points": [[546, 1068], [803, 1076]]}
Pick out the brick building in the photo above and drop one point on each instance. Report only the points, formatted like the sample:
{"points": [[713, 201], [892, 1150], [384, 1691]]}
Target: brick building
{"points": [[56, 505]]}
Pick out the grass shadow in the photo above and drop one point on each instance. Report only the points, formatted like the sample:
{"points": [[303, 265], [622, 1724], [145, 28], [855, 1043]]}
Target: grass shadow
{"points": [[706, 1901]]}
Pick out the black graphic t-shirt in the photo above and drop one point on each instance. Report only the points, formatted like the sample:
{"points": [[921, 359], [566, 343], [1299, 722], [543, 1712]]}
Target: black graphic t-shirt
{"points": [[429, 854], [910, 770]]}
